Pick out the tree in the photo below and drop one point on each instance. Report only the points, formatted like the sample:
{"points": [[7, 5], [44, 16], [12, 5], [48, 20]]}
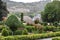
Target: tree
{"points": [[13, 23], [3, 10], [22, 17], [51, 12]]}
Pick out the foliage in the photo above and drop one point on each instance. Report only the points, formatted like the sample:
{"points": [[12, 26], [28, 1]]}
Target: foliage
{"points": [[13, 22], [10, 32], [51, 12], [18, 32], [25, 32], [36, 21], [44, 23], [56, 24], [3, 27], [29, 28], [32, 36], [56, 38], [28, 24], [6, 32], [33, 29], [21, 32], [22, 17], [49, 28], [3, 10], [43, 29], [18, 14]]}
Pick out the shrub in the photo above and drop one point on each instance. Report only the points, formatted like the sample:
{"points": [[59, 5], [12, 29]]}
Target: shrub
{"points": [[5, 32], [10, 32], [33, 29], [56, 24], [41, 23], [13, 22], [49, 28], [21, 32], [18, 32], [57, 29], [44, 23], [31, 37], [5, 27], [29, 24], [38, 28], [56, 38], [41, 29], [29, 28], [36, 21], [1, 27], [25, 32]]}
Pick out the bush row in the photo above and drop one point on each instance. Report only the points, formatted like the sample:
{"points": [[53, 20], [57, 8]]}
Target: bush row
{"points": [[31, 37], [51, 28], [43, 29], [6, 32], [56, 38], [30, 28], [21, 32]]}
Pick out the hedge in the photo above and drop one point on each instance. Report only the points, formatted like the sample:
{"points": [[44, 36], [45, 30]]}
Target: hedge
{"points": [[31, 37], [56, 38], [43, 29]]}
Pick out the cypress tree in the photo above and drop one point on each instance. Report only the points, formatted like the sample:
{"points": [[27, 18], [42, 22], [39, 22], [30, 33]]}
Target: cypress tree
{"points": [[22, 17]]}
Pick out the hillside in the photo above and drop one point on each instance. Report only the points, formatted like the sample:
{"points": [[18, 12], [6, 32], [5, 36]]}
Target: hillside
{"points": [[26, 7]]}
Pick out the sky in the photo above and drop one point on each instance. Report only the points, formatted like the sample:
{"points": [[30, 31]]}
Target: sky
{"points": [[26, 1]]}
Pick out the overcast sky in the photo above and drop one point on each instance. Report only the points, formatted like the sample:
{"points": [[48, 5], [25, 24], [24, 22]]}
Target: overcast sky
{"points": [[26, 1]]}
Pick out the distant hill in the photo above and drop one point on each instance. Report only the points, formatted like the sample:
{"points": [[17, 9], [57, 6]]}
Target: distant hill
{"points": [[26, 7]]}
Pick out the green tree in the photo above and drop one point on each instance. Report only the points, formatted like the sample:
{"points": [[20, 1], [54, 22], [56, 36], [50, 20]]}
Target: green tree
{"points": [[3, 10], [13, 22], [22, 17], [51, 12]]}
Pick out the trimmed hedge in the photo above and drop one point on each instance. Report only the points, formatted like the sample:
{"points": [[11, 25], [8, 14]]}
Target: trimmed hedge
{"points": [[30, 28], [31, 37], [6, 32], [50, 28], [21, 32], [43, 29], [56, 38]]}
